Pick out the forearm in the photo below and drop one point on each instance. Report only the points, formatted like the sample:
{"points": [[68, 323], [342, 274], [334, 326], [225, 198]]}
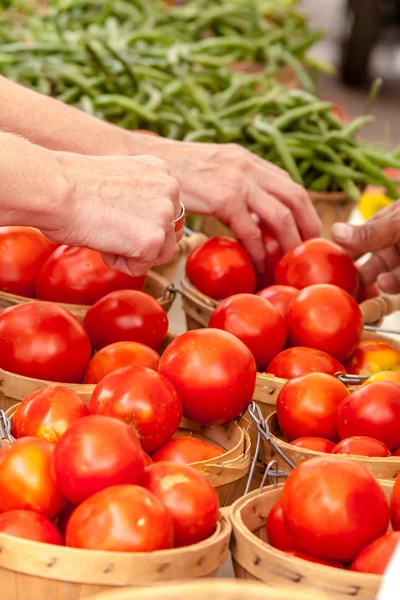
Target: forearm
{"points": [[57, 126]]}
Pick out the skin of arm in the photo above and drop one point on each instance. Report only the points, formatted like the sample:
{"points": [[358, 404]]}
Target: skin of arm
{"points": [[224, 180]]}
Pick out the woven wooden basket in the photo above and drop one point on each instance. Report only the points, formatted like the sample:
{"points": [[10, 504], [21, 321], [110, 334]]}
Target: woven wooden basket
{"points": [[255, 559], [35, 571], [217, 589], [227, 473], [183, 248], [381, 468], [155, 285], [14, 388]]}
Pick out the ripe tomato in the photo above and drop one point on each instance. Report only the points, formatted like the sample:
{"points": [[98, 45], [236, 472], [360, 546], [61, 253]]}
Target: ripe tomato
{"points": [[339, 111], [393, 376], [280, 296], [316, 444], [373, 356], [213, 372], [395, 505], [126, 316], [143, 399], [189, 498], [278, 535], [318, 261], [186, 450], [147, 459], [367, 292], [327, 318], [26, 480], [396, 452], [47, 413], [220, 268], [373, 411], [319, 561], [29, 525], [95, 453], [118, 355], [376, 556], [308, 406], [327, 504], [294, 362], [360, 445], [273, 254], [79, 276], [22, 252], [121, 518], [63, 518], [44, 341], [255, 322]]}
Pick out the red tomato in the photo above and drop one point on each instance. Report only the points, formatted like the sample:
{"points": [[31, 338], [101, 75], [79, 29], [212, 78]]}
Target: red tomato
{"points": [[393, 376], [308, 406], [186, 450], [278, 535], [126, 316], [255, 322], [373, 356], [213, 372], [373, 411], [22, 252], [327, 318], [220, 268], [316, 444], [340, 112], [79, 276], [318, 261], [29, 525], [118, 355], [47, 413], [367, 292], [54, 345], [395, 505], [273, 254], [63, 518], [121, 518], [396, 452], [95, 453], [313, 559], [143, 399], [147, 459], [361, 446], [26, 480], [376, 556], [298, 361], [280, 296], [189, 498], [327, 504]]}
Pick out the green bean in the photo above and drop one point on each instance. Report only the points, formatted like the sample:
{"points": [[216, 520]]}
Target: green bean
{"points": [[321, 184], [350, 188], [304, 166], [127, 67], [380, 159], [198, 95], [69, 94], [246, 105], [295, 114], [281, 147], [128, 104], [299, 70], [200, 134], [339, 171]]}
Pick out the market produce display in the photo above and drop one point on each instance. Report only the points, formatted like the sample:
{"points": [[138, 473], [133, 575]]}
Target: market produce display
{"points": [[197, 73]]}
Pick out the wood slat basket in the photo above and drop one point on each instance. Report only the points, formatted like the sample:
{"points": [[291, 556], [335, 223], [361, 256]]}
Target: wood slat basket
{"points": [[35, 571], [254, 559], [217, 589], [227, 473], [381, 468], [183, 248], [155, 285]]}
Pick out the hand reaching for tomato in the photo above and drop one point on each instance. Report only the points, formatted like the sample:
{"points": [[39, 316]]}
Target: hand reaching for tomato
{"points": [[381, 236]]}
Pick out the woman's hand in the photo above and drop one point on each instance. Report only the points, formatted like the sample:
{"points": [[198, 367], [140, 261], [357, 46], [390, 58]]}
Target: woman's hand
{"points": [[231, 183], [381, 236]]}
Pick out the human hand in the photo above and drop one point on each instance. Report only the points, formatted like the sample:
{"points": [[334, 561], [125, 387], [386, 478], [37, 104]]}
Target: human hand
{"points": [[125, 207], [231, 183], [381, 236]]}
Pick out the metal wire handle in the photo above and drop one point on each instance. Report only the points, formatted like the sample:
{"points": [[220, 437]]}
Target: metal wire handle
{"points": [[381, 329], [5, 428], [349, 379]]}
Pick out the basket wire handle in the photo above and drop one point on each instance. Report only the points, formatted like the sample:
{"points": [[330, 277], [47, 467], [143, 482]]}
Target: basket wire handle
{"points": [[5, 428], [381, 329], [272, 470], [350, 379]]}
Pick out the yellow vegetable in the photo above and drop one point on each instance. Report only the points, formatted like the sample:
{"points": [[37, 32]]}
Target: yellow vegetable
{"points": [[371, 202]]}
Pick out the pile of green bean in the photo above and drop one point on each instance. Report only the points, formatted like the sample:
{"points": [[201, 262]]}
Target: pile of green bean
{"points": [[142, 65]]}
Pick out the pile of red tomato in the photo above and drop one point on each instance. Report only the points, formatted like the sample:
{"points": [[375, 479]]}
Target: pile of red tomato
{"points": [[305, 316], [335, 513]]}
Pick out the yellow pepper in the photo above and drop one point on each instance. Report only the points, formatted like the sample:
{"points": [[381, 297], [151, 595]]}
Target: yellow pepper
{"points": [[371, 202]]}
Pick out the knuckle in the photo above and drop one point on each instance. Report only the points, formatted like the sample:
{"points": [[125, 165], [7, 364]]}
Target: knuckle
{"points": [[167, 212], [173, 188], [285, 217]]}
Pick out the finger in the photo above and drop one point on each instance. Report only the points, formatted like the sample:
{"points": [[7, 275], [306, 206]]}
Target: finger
{"points": [[168, 250], [380, 262], [247, 231], [275, 214], [129, 266], [370, 237], [390, 282], [152, 161]]}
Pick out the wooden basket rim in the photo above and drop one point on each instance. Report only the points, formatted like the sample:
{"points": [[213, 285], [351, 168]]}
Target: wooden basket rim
{"points": [[101, 567], [330, 196]]}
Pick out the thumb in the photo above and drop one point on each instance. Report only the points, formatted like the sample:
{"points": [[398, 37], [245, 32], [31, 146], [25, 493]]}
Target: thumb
{"points": [[370, 237]]}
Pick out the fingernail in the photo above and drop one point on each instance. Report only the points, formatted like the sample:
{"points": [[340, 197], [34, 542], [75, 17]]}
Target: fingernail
{"points": [[342, 231]]}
